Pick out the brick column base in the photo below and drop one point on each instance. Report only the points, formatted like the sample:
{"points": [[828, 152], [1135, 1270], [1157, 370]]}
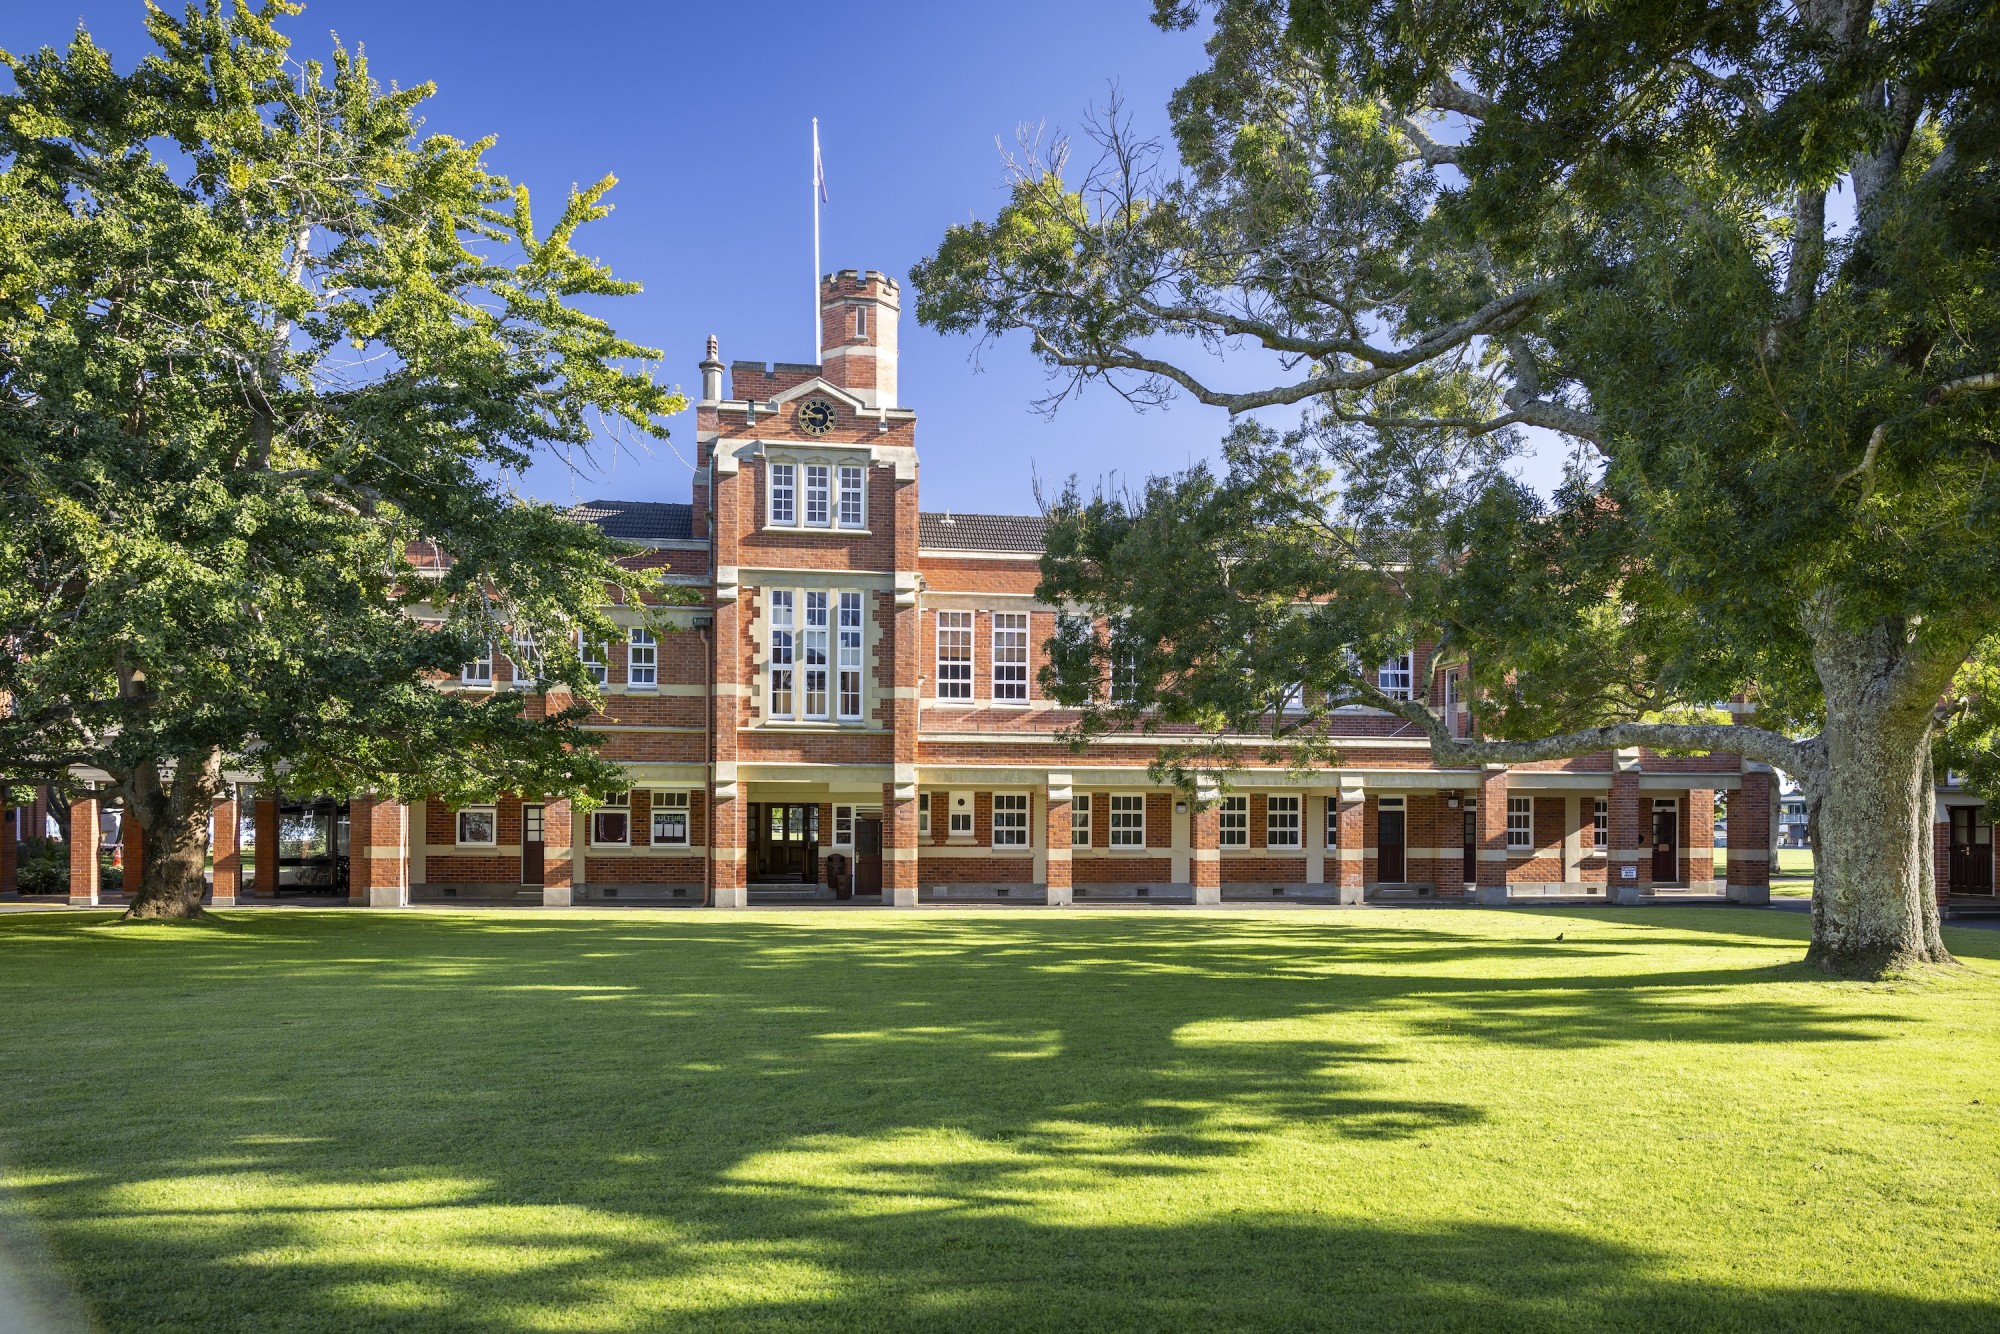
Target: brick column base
{"points": [[83, 840], [558, 854], [899, 848], [1490, 875], [1349, 852], [1205, 849], [378, 853], [1749, 856], [1060, 893], [1631, 840], [225, 842]]}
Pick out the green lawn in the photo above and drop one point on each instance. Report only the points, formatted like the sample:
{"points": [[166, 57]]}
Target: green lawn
{"points": [[1000, 1120]]}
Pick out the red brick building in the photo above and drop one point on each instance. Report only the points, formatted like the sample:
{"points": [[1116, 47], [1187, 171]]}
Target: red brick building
{"points": [[857, 691]]}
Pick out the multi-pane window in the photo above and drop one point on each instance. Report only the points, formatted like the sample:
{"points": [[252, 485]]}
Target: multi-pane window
{"points": [[670, 818], [1128, 821], [923, 813], [843, 826], [1600, 824], [958, 823], [1394, 677], [593, 656], [784, 493], [526, 655], [954, 655], [478, 672], [476, 826], [1332, 823], [642, 658], [1281, 822], [1079, 821], [611, 823], [816, 495], [781, 652], [850, 496], [1010, 656], [1520, 822], [1010, 819], [1235, 818], [814, 654], [1124, 665], [849, 663]]}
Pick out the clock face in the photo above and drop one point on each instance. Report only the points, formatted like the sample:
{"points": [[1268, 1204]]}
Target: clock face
{"points": [[816, 416]]}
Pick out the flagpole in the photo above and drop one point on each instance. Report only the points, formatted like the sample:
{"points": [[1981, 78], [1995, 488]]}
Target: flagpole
{"points": [[819, 353]]}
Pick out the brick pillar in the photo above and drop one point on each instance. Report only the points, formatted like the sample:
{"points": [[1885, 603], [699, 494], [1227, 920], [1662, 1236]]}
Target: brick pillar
{"points": [[378, 850], [728, 844], [1490, 875], [1631, 839], [1941, 864], [1205, 847], [1750, 809], [132, 850], [9, 858], [83, 839], [1057, 878], [1350, 848], [899, 846], [559, 854], [1699, 846], [226, 843], [264, 818]]}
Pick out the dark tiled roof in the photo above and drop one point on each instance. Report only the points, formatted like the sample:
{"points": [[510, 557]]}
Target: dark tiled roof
{"points": [[643, 521], [981, 532]]}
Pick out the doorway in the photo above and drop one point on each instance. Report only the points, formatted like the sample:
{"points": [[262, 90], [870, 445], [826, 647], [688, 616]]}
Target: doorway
{"points": [[1971, 851], [784, 842], [1471, 851], [531, 845], [867, 855], [1391, 864], [1666, 840]]}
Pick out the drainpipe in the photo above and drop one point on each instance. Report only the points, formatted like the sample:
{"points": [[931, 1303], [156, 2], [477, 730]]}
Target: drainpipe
{"points": [[708, 748]]}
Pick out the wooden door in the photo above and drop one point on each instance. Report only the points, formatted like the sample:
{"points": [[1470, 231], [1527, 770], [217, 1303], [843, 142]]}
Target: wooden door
{"points": [[1666, 844], [1471, 850], [531, 845], [1390, 865], [867, 855], [1971, 852]]}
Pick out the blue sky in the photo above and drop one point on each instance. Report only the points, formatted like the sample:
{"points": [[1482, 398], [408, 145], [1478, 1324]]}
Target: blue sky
{"points": [[703, 112]]}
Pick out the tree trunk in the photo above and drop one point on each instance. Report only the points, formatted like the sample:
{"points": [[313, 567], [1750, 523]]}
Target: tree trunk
{"points": [[173, 824], [1874, 883]]}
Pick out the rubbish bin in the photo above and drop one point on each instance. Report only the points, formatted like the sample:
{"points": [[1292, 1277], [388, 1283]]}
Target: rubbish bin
{"points": [[837, 876]]}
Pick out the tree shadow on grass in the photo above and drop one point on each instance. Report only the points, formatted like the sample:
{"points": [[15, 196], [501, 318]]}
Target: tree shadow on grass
{"points": [[344, 1122]]}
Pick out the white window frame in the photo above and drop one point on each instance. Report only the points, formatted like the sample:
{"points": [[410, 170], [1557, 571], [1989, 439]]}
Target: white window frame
{"points": [[526, 655], [783, 505], [1126, 832], [924, 813], [1520, 824], [666, 805], [642, 672], [1233, 822], [1396, 678], [598, 668], [848, 703], [1124, 681], [1079, 820], [781, 667], [851, 482], [617, 804], [843, 825], [813, 642], [1600, 823], [1333, 822], [954, 680], [861, 321], [1284, 821], [1010, 657], [492, 838], [479, 672], [1011, 821], [952, 815], [817, 512]]}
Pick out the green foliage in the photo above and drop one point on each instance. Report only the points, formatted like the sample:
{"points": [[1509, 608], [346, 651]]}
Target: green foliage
{"points": [[1607, 221], [43, 868], [271, 354]]}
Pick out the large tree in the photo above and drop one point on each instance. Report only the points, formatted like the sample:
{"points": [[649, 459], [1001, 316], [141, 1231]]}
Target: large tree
{"points": [[268, 357], [1740, 256]]}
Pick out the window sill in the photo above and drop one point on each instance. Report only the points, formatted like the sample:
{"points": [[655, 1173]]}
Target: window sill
{"points": [[809, 529], [477, 847]]}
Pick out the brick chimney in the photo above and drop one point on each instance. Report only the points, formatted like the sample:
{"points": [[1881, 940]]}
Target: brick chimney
{"points": [[857, 314]]}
